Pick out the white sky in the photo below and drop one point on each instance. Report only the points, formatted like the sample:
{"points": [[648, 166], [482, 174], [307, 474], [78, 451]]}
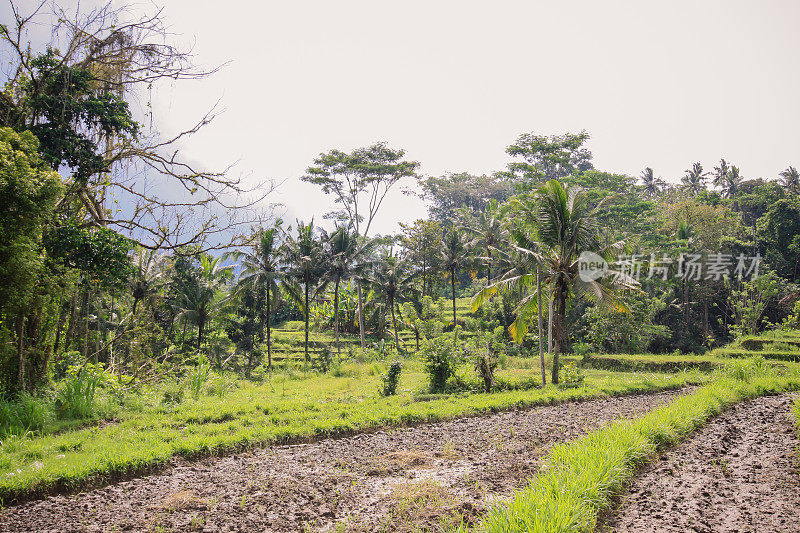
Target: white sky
{"points": [[660, 84]]}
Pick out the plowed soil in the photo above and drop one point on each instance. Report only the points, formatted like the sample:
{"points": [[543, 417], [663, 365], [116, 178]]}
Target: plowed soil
{"points": [[403, 479], [740, 473]]}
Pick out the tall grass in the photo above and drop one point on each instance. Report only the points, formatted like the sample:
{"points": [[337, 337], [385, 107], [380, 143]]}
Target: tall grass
{"points": [[24, 413], [76, 397], [581, 477]]}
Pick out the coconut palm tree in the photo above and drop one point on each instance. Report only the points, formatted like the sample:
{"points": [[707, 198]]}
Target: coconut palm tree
{"points": [[454, 256], [790, 179], [734, 180], [148, 276], [487, 233], [556, 225], [198, 301], [346, 258], [305, 259], [695, 179], [652, 185], [261, 271], [721, 174], [392, 277]]}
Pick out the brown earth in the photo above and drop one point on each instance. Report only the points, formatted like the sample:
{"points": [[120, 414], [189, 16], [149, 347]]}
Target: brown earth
{"points": [[740, 473], [401, 479]]}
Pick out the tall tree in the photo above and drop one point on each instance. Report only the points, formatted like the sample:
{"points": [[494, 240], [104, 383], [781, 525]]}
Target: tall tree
{"points": [[199, 302], [359, 182], [347, 257], [261, 271], [487, 233], [562, 225], [790, 179], [454, 256], [721, 174], [549, 157], [305, 260], [422, 241], [393, 279], [695, 179], [651, 184]]}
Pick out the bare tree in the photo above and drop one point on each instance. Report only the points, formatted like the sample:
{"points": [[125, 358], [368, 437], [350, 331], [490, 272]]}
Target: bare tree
{"points": [[169, 203]]}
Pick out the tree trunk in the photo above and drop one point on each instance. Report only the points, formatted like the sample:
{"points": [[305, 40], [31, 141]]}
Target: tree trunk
{"points": [[453, 287], [559, 323], [201, 325], [72, 319], [336, 316], [541, 326], [62, 318], [21, 350], [550, 326], [269, 332], [307, 314], [361, 318], [394, 324]]}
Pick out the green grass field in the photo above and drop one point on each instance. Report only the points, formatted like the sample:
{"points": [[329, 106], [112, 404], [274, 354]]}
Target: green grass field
{"points": [[152, 425]]}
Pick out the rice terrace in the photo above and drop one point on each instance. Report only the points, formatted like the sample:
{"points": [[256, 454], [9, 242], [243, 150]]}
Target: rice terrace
{"points": [[507, 325]]}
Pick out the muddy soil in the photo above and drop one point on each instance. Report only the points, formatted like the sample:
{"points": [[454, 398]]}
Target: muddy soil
{"points": [[402, 479], [740, 473]]}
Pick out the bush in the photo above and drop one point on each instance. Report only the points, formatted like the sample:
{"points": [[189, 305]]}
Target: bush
{"points": [[571, 375], [390, 379], [441, 361], [76, 398]]}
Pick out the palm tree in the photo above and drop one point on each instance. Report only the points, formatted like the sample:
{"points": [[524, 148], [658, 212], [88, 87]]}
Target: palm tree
{"points": [[487, 233], [197, 301], [790, 179], [346, 258], [454, 256], [695, 179], [393, 278], [261, 270], [305, 261], [559, 227], [734, 180], [148, 276], [721, 174], [652, 185]]}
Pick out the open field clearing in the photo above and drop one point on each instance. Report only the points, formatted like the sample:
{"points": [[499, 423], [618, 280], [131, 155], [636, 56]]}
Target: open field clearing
{"points": [[391, 480]]}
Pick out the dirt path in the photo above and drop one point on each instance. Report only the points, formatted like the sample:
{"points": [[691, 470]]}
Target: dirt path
{"points": [[739, 473], [392, 480]]}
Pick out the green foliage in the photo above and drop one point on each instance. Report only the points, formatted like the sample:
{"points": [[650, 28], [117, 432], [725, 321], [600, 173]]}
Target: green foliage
{"points": [[102, 254], [26, 412], [628, 330], [28, 193], [76, 397], [198, 376], [571, 375], [746, 369], [391, 379], [441, 359], [749, 302]]}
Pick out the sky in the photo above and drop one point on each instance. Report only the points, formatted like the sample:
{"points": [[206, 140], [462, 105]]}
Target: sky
{"points": [[659, 84]]}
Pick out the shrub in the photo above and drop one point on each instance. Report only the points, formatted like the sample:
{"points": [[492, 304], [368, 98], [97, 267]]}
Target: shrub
{"points": [[390, 379], [76, 398], [441, 360], [571, 375]]}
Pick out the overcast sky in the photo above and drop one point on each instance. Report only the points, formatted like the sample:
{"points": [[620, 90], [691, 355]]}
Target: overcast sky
{"points": [[660, 84]]}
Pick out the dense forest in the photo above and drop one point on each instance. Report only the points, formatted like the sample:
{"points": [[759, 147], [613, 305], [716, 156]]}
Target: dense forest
{"points": [[96, 269]]}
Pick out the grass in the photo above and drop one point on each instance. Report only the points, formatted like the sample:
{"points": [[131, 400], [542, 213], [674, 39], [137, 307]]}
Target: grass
{"points": [[290, 406], [580, 478]]}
